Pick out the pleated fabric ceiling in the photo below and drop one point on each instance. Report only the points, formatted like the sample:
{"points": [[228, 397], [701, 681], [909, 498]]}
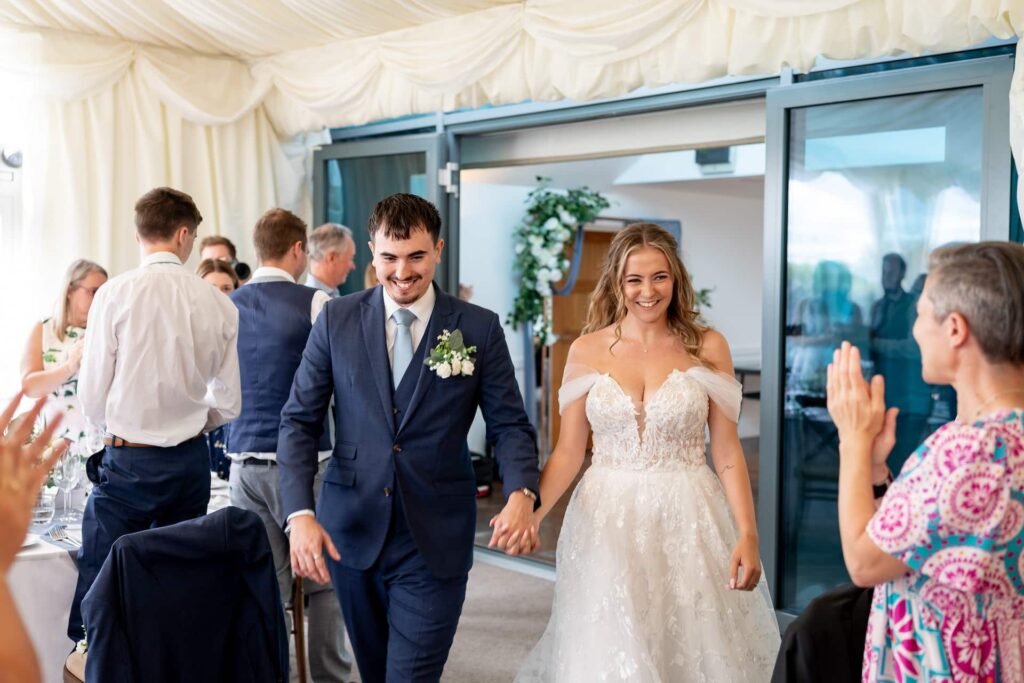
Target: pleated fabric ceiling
{"points": [[316, 63]]}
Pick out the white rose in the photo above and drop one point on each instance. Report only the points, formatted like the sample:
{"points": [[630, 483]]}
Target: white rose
{"points": [[552, 224], [456, 366], [566, 217], [520, 247], [443, 370], [467, 367]]}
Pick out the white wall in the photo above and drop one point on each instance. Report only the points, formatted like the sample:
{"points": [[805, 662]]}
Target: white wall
{"points": [[488, 214]]}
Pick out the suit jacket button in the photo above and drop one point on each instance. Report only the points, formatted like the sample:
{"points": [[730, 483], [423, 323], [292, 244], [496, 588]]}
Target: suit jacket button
{"points": [[396, 448], [387, 491], [394, 411]]}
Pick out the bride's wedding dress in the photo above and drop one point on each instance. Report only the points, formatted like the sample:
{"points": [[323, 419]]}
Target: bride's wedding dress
{"points": [[643, 557]]}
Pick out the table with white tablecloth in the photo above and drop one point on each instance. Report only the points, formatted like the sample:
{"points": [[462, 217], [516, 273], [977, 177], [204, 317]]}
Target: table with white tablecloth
{"points": [[42, 581]]}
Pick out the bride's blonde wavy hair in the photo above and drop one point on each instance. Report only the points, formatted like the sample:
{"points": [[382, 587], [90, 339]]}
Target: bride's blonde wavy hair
{"points": [[608, 302]]}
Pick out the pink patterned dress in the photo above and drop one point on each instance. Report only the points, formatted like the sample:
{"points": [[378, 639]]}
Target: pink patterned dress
{"points": [[955, 516]]}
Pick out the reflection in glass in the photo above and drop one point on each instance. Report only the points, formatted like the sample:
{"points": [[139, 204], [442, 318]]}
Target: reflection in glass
{"points": [[353, 186], [873, 187]]}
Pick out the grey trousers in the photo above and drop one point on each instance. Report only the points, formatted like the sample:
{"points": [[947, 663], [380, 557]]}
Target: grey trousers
{"points": [[253, 486]]}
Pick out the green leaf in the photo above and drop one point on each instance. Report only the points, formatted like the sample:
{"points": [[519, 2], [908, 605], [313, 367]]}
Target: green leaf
{"points": [[455, 342]]}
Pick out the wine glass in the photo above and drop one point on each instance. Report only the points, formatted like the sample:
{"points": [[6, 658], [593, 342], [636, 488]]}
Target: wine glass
{"points": [[67, 474]]}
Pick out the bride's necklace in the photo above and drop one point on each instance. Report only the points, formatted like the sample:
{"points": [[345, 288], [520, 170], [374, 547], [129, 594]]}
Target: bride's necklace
{"points": [[978, 411]]}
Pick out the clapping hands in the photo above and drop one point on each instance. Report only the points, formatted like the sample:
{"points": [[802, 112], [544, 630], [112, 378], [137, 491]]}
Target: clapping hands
{"points": [[857, 407], [22, 472]]}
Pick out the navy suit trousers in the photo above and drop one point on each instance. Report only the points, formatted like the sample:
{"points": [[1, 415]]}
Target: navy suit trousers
{"points": [[400, 617], [139, 489]]}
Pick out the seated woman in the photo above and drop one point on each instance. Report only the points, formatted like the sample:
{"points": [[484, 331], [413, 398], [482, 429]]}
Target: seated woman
{"points": [[943, 547]]}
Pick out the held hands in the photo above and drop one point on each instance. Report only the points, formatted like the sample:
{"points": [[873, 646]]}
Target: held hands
{"points": [[308, 541], [857, 408], [22, 471], [515, 527], [747, 556]]}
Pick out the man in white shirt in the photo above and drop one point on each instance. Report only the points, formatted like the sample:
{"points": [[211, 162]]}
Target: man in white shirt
{"points": [[275, 316], [332, 251], [159, 368]]}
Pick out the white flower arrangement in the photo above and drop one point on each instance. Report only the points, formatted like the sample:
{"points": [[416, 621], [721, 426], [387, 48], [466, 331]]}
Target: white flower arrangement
{"points": [[451, 357], [542, 246]]}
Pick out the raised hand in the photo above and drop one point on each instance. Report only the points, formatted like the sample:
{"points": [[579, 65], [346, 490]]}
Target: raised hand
{"points": [[308, 541], [22, 472], [857, 408]]}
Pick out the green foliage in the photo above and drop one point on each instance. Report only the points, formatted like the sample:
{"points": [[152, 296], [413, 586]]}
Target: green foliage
{"points": [[542, 244]]}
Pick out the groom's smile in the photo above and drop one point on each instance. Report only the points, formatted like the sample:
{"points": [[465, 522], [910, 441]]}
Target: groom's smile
{"points": [[406, 266]]}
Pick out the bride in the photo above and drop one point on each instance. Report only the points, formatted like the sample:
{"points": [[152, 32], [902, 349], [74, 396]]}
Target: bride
{"points": [[654, 582]]}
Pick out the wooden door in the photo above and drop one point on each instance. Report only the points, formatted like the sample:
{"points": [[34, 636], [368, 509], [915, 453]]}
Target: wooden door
{"points": [[569, 315]]}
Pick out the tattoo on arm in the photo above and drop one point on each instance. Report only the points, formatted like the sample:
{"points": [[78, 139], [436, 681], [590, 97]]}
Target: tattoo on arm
{"points": [[725, 469]]}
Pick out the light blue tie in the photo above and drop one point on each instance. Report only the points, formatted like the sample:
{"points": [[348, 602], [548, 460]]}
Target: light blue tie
{"points": [[402, 354]]}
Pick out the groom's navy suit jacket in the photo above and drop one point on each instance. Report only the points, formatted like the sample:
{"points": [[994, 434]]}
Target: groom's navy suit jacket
{"points": [[419, 447]]}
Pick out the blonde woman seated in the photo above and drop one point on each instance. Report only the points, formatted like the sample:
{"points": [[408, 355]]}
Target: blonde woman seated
{"points": [[655, 583], [944, 548], [53, 356]]}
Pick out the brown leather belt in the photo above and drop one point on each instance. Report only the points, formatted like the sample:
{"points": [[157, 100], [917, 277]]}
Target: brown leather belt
{"points": [[118, 442]]}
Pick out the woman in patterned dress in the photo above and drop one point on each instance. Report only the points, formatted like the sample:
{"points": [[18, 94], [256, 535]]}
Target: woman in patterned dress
{"points": [[945, 547], [54, 352]]}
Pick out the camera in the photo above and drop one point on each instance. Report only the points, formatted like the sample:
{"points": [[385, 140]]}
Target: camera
{"points": [[242, 270]]}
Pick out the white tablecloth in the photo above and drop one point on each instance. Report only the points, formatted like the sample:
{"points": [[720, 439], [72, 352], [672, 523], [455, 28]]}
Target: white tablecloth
{"points": [[42, 581]]}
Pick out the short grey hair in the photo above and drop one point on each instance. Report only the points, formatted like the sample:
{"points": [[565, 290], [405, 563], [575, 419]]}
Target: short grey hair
{"points": [[983, 282], [326, 237]]}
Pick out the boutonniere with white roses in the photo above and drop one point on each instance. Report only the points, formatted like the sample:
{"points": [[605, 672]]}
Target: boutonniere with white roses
{"points": [[451, 356]]}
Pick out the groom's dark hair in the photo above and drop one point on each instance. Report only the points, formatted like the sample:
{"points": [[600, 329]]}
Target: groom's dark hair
{"points": [[399, 215]]}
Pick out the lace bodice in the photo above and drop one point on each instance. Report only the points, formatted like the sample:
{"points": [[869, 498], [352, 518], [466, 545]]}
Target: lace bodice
{"points": [[666, 431]]}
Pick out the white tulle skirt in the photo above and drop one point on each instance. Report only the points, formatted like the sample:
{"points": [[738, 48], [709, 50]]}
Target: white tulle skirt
{"points": [[642, 588]]}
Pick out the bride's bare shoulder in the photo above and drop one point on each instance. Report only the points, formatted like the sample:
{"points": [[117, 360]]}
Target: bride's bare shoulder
{"points": [[589, 348]]}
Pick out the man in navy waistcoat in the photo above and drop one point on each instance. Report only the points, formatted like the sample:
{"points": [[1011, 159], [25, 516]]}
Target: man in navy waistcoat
{"points": [[275, 316]]}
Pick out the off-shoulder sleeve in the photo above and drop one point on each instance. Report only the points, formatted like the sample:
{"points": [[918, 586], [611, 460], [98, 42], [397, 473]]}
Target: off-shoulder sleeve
{"points": [[723, 389], [576, 382]]}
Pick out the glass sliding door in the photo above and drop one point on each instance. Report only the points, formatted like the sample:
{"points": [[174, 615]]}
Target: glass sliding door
{"points": [[350, 177], [873, 173]]}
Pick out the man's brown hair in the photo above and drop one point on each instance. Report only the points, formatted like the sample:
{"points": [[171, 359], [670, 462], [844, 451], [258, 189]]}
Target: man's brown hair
{"points": [[400, 214], [216, 241], [162, 211], [276, 231]]}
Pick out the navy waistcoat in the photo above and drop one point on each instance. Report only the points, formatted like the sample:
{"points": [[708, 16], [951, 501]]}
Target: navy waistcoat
{"points": [[273, 326]]}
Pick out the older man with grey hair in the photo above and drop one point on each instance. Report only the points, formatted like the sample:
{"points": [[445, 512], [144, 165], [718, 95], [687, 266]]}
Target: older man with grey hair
{"points": [[332, 253]]}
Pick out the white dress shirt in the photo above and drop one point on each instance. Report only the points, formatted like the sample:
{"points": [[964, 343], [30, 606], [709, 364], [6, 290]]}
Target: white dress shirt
{"points": [[422, 308], [320, 298], [160, 363]]}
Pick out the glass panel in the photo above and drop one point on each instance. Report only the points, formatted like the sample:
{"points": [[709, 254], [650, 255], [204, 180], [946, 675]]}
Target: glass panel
{"points": [[352, 187], [873, 186]]}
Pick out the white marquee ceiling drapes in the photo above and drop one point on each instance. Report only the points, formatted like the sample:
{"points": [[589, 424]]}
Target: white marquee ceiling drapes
{"points": [[315, 63]]}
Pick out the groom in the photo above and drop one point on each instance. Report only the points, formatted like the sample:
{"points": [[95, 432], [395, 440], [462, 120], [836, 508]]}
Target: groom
{"points": [[394, 525]]}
